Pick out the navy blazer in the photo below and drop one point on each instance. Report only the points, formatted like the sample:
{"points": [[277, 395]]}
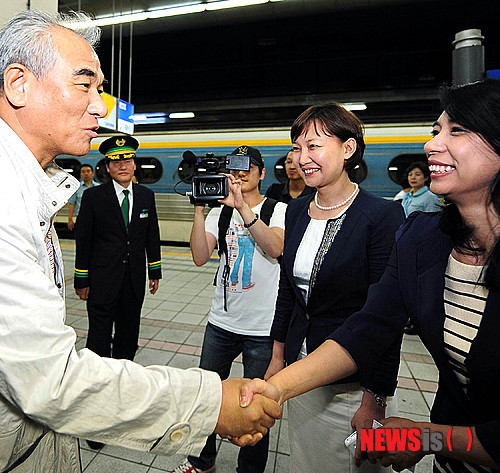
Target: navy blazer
{"points": [[356, 259], [102, 241], [413, 285]]}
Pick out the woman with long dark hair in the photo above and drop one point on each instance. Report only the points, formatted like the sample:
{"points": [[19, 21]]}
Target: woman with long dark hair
{"points": [[444, 274]]}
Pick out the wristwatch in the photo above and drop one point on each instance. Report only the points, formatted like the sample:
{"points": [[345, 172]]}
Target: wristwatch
{"points": [[380, 400]]}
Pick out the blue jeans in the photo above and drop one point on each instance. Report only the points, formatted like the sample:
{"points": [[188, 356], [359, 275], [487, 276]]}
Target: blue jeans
{"points": [[220, 348], [246, 248]]}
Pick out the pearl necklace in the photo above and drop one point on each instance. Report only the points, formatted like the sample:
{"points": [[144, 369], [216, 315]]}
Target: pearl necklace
{"points": [[338, 205]]}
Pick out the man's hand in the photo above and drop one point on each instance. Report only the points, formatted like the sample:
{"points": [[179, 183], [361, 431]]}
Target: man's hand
{"points": [[153, 285], [235, 197], [235, 421], [71, 224], [258, 386], [83, 293], [363, 419]]}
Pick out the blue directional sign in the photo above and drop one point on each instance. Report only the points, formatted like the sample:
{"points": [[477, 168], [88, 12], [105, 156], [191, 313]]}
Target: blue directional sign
{"points": [[109, 121], [125, 122]]}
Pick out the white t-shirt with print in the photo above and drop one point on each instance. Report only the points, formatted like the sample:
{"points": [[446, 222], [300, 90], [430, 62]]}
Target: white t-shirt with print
{"points": [[253, 277]]}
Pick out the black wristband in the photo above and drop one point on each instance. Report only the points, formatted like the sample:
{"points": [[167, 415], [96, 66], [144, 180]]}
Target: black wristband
{"points": [[248, 225]]}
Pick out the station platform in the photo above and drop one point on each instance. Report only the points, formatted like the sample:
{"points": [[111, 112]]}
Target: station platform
{"points": [[172, 327]]}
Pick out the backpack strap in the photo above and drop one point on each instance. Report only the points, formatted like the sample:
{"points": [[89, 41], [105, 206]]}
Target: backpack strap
{"points": [[223, 225], [266, 212]]}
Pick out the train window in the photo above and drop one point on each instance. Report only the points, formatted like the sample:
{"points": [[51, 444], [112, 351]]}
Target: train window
{"points": [[70, 165], [359, 173], [148, 171], [101, 175], [185, 172], [398, 165], [279, 170]]}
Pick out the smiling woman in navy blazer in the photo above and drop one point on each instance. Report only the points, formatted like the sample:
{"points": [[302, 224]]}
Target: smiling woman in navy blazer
{"points": [[337, 243], [444, 273]]}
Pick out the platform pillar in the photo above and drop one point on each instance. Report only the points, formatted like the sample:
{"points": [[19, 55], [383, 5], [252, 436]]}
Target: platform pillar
{"points": [[468, 57]]}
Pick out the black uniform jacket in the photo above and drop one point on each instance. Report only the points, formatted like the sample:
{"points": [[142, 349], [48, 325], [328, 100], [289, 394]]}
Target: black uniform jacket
{"points": [[356, 258], [413, 285], [104, 248]]}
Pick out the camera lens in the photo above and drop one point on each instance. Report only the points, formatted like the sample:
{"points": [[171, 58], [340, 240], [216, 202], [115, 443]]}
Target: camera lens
{"points": [[210, 188]]}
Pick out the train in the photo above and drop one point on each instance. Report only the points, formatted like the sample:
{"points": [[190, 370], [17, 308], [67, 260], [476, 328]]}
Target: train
{"points": [[389, 150]]}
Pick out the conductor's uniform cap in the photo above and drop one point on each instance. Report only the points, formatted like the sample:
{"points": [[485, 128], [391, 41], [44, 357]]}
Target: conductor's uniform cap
{"points": [[118, 148]]}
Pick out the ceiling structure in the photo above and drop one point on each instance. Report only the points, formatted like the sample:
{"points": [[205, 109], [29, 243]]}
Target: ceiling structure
{"points": [[261, 65]]}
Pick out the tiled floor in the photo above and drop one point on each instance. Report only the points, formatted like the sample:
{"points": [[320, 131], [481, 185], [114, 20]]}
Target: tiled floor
{"points": [[172, 327]]}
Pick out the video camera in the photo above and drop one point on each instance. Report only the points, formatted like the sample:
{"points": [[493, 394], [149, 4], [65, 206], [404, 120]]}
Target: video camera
{"points": [[208, 185]]}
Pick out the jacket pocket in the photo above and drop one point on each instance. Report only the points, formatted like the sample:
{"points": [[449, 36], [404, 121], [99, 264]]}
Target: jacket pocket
{"points": [[50, 452]]}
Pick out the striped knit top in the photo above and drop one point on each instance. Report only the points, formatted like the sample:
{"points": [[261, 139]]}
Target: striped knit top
{"points": [[464, 301]]}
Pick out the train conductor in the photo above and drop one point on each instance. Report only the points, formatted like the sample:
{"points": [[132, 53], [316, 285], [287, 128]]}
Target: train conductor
{"points": [[117, 228]]}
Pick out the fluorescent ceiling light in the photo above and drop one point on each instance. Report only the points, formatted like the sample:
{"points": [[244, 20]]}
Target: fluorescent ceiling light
{"points": [[181, 115], [355, 106], [232, 4], [162, 12], [128, 18], [173, 11], [149, 118]]}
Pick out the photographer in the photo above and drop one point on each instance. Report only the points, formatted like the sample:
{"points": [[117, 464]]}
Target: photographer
{"points": [[251, 287]]}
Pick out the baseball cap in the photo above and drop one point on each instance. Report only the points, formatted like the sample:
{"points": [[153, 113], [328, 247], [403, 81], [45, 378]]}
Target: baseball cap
{"points": [[252, 153]]}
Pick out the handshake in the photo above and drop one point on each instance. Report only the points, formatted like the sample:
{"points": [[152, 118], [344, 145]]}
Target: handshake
{"points": [[246, 416]]}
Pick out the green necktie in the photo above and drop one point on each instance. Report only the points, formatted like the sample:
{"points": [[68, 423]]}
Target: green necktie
{"points": [[125, 207]]}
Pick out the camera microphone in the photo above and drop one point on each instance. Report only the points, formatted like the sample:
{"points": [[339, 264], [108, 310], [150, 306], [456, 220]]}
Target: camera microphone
{"points": [[189, 157]]}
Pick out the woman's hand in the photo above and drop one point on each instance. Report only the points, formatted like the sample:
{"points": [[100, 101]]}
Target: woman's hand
{"points": [[277, 361], [363, 419], [275, 365], [259, 386], [404, 458]]}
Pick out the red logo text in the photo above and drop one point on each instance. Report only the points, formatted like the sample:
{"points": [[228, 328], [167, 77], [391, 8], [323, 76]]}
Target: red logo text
{"points": [[389, 440]]}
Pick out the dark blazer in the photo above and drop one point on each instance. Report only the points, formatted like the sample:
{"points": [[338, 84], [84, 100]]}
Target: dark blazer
{"points": [[280, 191], [356, 259], [413, 285], [103, 244]]}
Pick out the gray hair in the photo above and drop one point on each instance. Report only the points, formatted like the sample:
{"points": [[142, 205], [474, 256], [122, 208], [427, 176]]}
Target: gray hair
{"points": [[26, 39]]}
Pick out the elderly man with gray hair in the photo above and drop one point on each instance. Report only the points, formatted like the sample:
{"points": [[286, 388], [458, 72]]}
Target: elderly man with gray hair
{"points": [[50, 394]]}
